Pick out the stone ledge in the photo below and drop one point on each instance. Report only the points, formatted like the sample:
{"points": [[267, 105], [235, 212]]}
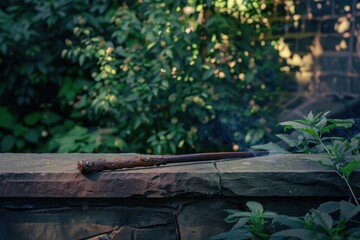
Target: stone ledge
{"points": [[55, 176]]}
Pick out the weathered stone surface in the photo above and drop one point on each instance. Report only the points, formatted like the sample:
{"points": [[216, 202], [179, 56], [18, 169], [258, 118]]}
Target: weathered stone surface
{"points": [[55, 175], [193, 216], [281, 175], [92, 223]]}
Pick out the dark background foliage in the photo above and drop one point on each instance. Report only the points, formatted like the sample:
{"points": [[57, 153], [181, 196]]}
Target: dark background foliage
{"points": [[147, 76]]}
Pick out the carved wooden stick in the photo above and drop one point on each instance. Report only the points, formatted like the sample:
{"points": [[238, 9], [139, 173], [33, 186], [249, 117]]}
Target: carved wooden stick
{"points": [[87, 166]]}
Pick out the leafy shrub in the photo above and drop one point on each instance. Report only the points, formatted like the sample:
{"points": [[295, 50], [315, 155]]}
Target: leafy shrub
{"points": [[331, 220], [155, 77], [34, 77]]}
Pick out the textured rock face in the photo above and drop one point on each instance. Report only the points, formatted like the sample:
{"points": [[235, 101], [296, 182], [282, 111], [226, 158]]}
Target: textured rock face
{"points": [[55, 175], [76, 222], [43, 196]]}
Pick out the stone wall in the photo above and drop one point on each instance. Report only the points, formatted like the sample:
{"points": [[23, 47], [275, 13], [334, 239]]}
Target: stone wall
{"points": [[43, 196]]}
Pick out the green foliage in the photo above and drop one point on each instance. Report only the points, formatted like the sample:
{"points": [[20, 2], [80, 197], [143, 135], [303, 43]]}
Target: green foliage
{"points": [[318, 134], [147, 76], [331, 220], [32, 35]]}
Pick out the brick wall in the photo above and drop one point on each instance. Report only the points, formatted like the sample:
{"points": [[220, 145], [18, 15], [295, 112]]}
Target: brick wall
{"points": [[323, 37]]}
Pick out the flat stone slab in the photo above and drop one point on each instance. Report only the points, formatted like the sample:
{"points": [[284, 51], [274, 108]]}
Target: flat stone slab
{"points": [[76, 222], [55, 175]]}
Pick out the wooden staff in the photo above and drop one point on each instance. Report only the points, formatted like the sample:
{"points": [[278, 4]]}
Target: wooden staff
{"points": [[88, 166]]}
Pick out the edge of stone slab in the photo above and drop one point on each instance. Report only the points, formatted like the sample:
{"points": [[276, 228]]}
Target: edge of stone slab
{"points": [[55, 176]]}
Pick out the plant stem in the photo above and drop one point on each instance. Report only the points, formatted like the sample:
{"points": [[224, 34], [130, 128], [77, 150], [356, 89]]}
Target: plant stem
{"points": [[319, 139], [349, 187], [341, 175]]}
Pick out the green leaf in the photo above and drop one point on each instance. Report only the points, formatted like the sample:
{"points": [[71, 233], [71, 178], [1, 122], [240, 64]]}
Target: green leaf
{"points": [[240, 223], [325, 114], [294, 125], [329, 207], [302, 122], [32, 118], [131, 98], [292, 222], [121, 51], [292, 142], [165, 84], [137, 123], [312, 132], [321, 124], [323, 219], [310, 116], [169, 53], [172, 146], [255, 207], [328, 128], [19, 130], [158, 149], [20, 144], [349, 168], [342, 123], [78, 131], [120, 143], [333, 138], [355, 143], [254, 135], [354, 235], [232, 211], [88, 148], [32, 136], [207, 74], [150, 45], [321, 159], [81, 59], [95, 39], [238, 234], [7, 143], [67, 148], [269, 214], [302, 234], [271, 147], [50, 118], [233, 218], [6, 119], [348, 210]]}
